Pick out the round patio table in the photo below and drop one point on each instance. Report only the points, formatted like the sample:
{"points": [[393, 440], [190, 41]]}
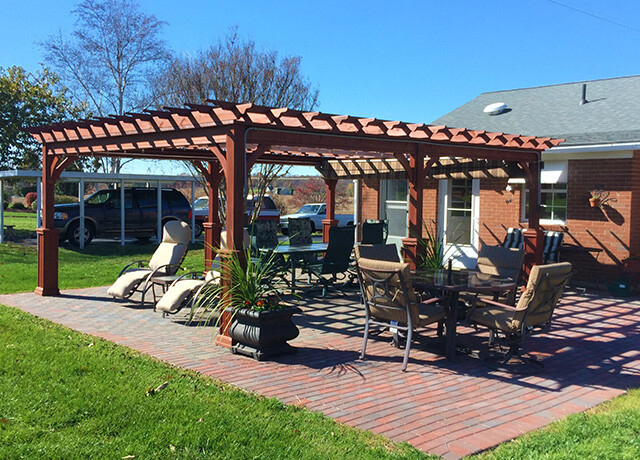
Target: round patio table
{"points": [[449, 284]]}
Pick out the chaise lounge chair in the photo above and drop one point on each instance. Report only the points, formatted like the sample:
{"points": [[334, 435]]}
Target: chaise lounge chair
{"points": [[166, 260], [186, 290]]}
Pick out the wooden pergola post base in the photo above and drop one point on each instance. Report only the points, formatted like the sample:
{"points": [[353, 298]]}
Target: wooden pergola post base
{"points": [[47, 261]]}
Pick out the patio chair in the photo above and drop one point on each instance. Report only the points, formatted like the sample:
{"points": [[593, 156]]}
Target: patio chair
{"points": [[386, 252], [186, 289], [300, 235], [166, 260], [501, 261], [551, 245], [374, 231], [532, 314], [391, 302], [334, 265], [264, 235]]}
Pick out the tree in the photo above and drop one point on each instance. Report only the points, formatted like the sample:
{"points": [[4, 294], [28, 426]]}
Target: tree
{"points": [[29, 100], [235, 70], [108, 58]]}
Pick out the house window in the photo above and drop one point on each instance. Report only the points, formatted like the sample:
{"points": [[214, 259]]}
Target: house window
{"points": [[553, 203], [458, 229]]}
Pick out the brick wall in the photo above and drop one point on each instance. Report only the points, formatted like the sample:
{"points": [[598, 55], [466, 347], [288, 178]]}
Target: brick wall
{"points": [[369, 206], [608, 227], [499, 210], [614, 228]]}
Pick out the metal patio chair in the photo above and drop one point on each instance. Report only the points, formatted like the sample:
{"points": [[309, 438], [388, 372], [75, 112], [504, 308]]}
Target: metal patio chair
{"points": [[374, 231], [531, 315], [166, 260], [334, 266], [390, 302]]}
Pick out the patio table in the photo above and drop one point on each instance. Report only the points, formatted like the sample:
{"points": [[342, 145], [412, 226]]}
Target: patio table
{"points": [[450, 283], [293, 251]]}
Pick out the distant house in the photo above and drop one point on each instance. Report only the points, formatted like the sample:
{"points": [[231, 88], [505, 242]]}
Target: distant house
{"points": [[600, 121]]}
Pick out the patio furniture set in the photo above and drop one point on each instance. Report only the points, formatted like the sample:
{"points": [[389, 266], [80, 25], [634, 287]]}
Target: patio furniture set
{"points": [[395, 298]]}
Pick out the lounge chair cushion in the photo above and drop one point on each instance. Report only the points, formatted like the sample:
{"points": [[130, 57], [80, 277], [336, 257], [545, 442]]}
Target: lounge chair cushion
{"points": [[175, 243], [128, 282], [178, 293]]}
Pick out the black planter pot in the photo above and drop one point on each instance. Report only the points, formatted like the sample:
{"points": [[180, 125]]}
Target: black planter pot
{"points": [[261, 335]]}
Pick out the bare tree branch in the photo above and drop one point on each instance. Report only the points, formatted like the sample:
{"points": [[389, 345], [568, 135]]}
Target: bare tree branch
{"points": [[107, 58]]}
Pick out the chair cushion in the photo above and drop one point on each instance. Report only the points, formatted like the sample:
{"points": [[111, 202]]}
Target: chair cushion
{"points": [[177, 294], [127, 283], [168, 253], [495, 317], [430, 313], [176, 232]]}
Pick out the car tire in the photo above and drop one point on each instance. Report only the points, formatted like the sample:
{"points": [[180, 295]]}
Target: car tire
{"points": [[73, 234], [284, 231], [313, 227], [198, 229]]}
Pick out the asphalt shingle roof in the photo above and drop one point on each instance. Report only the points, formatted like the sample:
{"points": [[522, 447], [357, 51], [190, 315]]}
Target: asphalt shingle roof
{"points": [[611, 115]]}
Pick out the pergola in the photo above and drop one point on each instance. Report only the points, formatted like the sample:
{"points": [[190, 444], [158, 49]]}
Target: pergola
{"points": [[223, 139]]}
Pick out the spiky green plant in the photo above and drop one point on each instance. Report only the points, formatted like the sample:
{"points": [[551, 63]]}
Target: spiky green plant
{"points": [[434, 250], [248, 282]]}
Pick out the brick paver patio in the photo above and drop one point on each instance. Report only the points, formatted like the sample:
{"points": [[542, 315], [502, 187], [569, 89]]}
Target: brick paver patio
{"points": [[449, 409]]}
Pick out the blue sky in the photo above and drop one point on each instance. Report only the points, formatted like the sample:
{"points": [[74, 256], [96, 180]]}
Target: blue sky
{"points": [[403, 60]]}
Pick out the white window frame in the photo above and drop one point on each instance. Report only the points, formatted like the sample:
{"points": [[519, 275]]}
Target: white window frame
{"points": [[523, 204]]}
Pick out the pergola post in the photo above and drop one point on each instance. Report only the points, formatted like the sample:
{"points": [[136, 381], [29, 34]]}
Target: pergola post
{"points": [[416, 174], [47, 234], [330, 220], [235, 177], [212, 227], [533, 236]]}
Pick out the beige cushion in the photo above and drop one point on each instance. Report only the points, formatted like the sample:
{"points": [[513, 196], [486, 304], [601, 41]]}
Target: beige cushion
{"points": [[127, 283], [537, 302], [245, 234], [176, 232], [397, 299], [499, 261], [388, 252], [175, 244], [177, 294]]}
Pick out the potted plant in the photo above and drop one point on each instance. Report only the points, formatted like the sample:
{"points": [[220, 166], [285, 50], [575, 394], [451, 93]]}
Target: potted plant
{"points": [[261, 322], [595, 199]]}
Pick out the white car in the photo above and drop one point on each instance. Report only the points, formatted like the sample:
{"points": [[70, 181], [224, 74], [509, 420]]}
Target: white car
{"points": [[317, 212]]}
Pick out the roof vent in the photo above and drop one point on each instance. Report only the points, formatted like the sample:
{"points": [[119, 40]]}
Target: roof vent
{"points": [[496, 108], [583, 101]]}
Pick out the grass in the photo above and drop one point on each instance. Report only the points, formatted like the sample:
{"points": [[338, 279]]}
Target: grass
{"points": [[611, 430], [96, 265], [24, 223], [66, 395]]}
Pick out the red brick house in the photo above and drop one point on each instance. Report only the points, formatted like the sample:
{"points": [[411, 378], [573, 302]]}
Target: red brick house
{"points": [[600, 121]]}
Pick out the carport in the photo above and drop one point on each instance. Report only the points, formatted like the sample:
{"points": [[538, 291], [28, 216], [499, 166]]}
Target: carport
{"points": [[83, 178]]}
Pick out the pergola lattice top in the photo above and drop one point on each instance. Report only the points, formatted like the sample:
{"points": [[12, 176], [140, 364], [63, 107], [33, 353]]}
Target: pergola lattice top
{"points": [[280, 135]]}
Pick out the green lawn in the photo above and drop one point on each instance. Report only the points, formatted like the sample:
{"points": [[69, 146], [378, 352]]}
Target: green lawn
{"points": [[24, 223], [610, 431], [96, 265], [66, 395]]}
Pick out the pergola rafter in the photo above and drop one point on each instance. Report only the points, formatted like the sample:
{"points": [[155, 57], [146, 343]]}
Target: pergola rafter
{"points": [[224, 139]]}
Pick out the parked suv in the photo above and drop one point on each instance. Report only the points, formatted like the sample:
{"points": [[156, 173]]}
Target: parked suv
{"points": [[102, 213]]}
